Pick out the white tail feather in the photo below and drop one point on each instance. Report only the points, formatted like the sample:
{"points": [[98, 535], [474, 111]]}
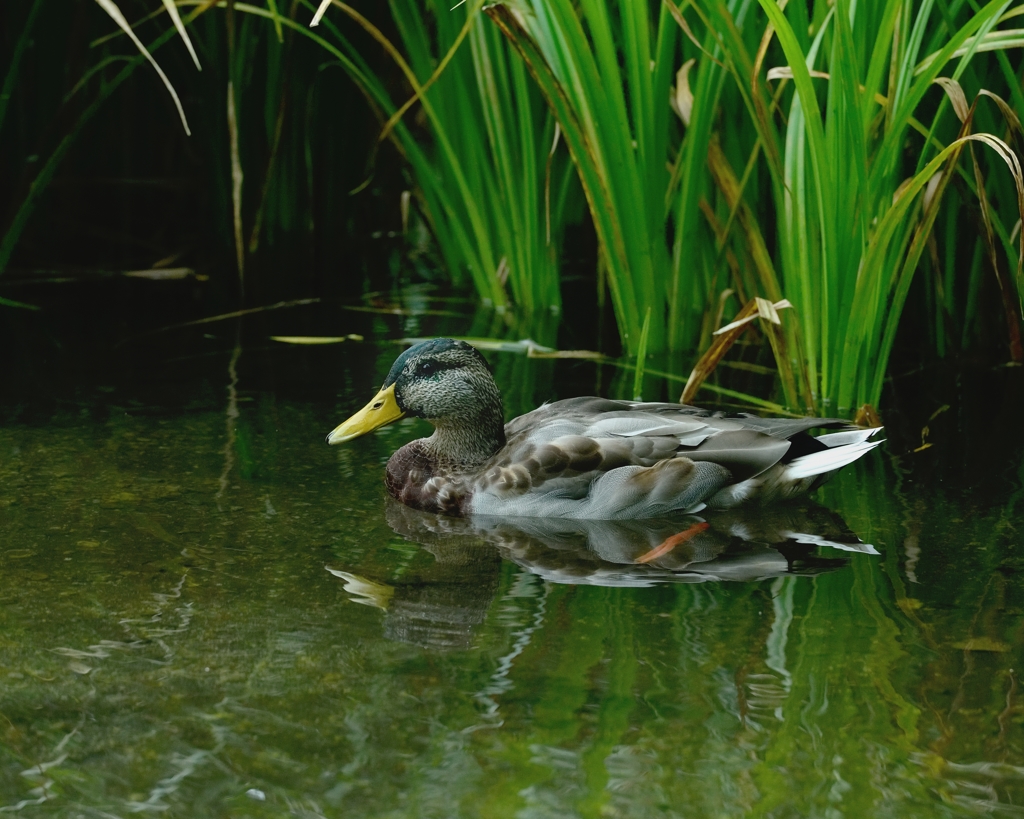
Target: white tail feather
{"points": [[850, 436], [827, 460]]}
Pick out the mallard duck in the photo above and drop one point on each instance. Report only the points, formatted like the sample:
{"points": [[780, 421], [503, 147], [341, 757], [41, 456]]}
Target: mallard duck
{"points": [[584, 458]]}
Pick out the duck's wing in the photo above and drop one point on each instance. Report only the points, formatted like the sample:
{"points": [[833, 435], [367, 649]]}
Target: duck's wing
{"points": [[743, 445], [600, 459], [620, 417]]}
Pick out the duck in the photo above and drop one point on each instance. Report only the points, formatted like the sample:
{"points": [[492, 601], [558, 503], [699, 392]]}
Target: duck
{"points": [[585, 458]]}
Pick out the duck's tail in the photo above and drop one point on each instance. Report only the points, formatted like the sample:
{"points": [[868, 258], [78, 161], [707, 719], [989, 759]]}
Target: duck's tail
{"points": [[842, 448]]}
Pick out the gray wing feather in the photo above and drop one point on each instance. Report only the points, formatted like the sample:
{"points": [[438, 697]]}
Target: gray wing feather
{"points": [[788, 427], [598, 458], [745, 453]]}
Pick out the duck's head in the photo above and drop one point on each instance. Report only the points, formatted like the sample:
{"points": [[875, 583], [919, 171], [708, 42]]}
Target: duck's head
{"points": [[445, 381]]}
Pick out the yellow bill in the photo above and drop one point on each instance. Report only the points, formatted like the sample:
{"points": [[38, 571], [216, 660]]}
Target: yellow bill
{"points": [[382, 410]]}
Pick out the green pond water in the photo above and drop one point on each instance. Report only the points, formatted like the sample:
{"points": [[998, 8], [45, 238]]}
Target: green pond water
{"points": [[207, 612]]}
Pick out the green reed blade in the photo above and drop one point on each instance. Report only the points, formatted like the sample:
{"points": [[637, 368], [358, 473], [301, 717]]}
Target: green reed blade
{"points": [[20, 45], [275, 15], [641, 358], [18, 304]]}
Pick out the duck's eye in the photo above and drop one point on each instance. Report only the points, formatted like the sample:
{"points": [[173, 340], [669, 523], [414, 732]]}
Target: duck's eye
{"points": [[427, 368]]}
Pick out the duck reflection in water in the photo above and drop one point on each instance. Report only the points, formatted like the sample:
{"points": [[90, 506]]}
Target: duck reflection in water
{"points": [[442, 608]]}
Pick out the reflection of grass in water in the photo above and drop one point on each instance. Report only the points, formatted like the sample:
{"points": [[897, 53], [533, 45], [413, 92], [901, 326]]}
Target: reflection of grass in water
{"points": [[948, 612]]}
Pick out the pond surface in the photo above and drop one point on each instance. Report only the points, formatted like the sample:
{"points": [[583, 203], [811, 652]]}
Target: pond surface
{"points": [[207, 612]]}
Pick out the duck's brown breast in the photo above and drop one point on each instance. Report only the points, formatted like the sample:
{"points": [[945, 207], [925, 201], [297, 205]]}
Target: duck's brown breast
{"points": [[416, 479]]}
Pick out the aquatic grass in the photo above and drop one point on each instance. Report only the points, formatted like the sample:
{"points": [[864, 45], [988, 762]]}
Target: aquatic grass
{"points": [[851, 88], [19, 304], [714, 140], [606, 72], [459, 227], [112, 9], [48, 167], [493, 185], [6, 92], [641, 358], [725, 337], [851, 228], [20, 47], [469, 191], [255, 198], [179, 26], [799, 159], [97, 78]]}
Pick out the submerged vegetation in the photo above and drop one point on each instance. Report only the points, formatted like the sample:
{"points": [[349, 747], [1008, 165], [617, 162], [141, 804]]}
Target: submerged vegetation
{"points": [[815, 153]]}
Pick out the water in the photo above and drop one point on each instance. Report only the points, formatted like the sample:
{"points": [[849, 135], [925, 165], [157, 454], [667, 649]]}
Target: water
{"points": [[207, 612]]}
